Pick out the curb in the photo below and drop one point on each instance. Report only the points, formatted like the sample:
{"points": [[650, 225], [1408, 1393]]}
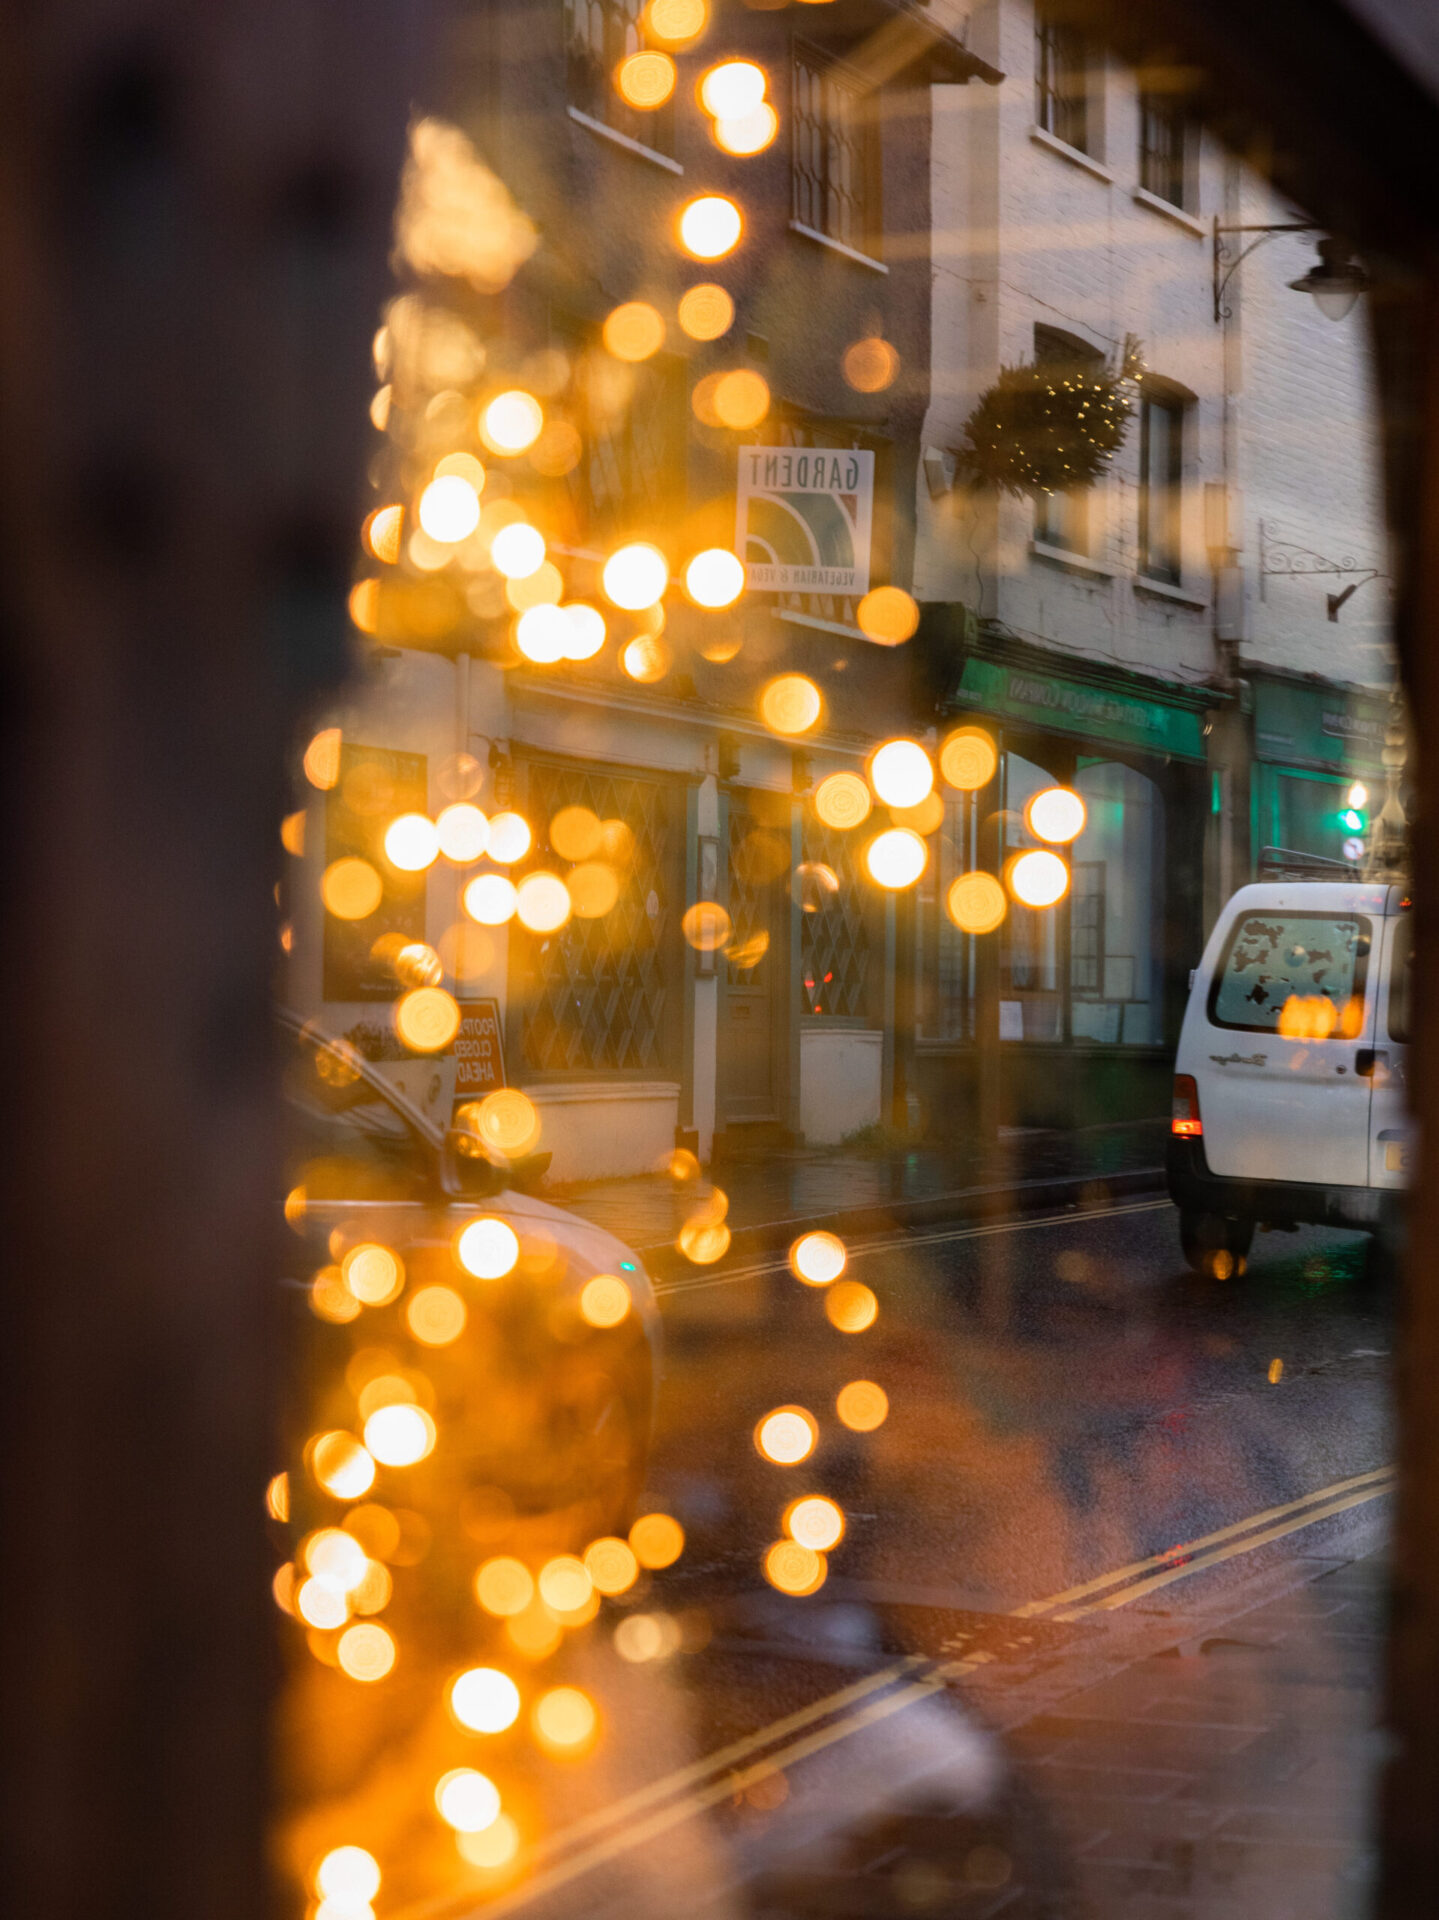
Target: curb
{"points": [[666, 1262]]}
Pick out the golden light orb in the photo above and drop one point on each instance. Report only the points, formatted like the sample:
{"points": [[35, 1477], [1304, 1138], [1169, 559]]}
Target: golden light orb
{"points": [[490, 898], [787, 1435], [611, 1565], [320, 1606], [706, 926], [817, 1258], [336, 1559], [509, 838], [851, 1307], [740, 399], [887, 615], [586, 630], [969, 759], [676, 21], [646, 659], [635, 576], [436, 1316], [351, 888], [732, 89], [814, 1522], [647, 1636], [484, 1699], [380, 408], [565, 1719], [714, 578], [1038, 879], [645, 81], [488, 1248], [635, 330], [842, 800], [657, 1540], [710, 226], [604, 1300], [400, 1435], [511, 422], [277, 1497], [463, 832], [449, 509], [542, 902], [504, 1587], [366, 1651], [794, 1569], [790, 704], [373, 1273], [342, 1466], [747, 133], [349, 1876], [427, 1019], [465, 466], [575, 833], [862, 1406], [896, 858], [468, 1801], [706, 311], [411, 842], [1057, 815], [383, 533], [496, 1847], [543, 588], [594, 889], [322, 758], [364, 605], [976, 903], [870, 365], [542, 634], [517, 550], [506, 1119], [901, 773], [564, 1583]]}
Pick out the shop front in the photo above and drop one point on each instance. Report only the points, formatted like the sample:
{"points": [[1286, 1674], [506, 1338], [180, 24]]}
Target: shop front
{"points": [[1317, 779]]}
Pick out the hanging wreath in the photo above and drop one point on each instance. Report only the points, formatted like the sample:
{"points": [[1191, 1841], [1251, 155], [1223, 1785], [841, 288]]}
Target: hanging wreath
{"points": [[1043, 428]]}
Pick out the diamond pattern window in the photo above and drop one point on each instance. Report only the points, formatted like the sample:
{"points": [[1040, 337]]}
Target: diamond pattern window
{"points": [[835, 946]]}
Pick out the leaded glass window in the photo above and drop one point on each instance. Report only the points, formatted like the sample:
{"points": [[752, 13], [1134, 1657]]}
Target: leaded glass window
{"points": [[836, 160], [1061, 82], [834, 929], [599, 34]]}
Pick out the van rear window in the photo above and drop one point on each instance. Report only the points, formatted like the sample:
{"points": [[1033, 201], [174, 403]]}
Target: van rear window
{"points": [[1312, 963]]}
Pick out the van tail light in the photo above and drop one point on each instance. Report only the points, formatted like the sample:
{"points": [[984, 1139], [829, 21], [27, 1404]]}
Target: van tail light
{"points": [[1184, 1112]]}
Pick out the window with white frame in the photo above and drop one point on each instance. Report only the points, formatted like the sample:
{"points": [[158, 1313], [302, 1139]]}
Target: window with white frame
{"points": [[1062, 61]]}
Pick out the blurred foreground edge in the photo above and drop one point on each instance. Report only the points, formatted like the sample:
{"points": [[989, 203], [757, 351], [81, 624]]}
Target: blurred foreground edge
{"points": [[196, 205]]}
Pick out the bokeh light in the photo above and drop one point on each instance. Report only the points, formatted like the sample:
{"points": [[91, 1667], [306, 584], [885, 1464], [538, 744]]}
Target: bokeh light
{"points": [[746, 133], [710, 226], [647, 1636], [542, 634], [564, 1583], [484, 1699], [411, 842], [969, 759], [732, 89], [517, 550], [814, 1522], [322, 759], [645, 81], [636, 576], [320, 1606], [364, 605], [1057, 815], [658, 1540], [565, 1719], [383, 533], [794, 1569], [436, 1316], [427, 1019], [543, 588], [366, 1651], [488, 1248], [787, 1435], [1038, 879], [496, 1847], [887, 615], [507, 1119], [509, 838], [504, 1586], [870, 365], [676, 21], [277, 1497], [739, 399], [351, 888], [342, 1466], [851, 1307], [817, 1258], [336, 1559], [706, 926], [790, 704], [575, 833], [463, 832], [542, 902], [635, 330], [900, 773], [842, 800], [612, 1565], [468, 1801], [714, 578], [373, 1273], [706, 311], [586, 630], [896, 858], [976, 903], [604, 1300], [449, 509], [646, 659], [348, 1876], [465, 465], [862, 1406], [399, 1436], [511, 422], [490, 899]]}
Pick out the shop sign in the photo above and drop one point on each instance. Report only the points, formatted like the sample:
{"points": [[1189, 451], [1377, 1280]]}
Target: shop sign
{"points": [[1318, 726], [803, 517], [1069, 706], [479, 1050]]}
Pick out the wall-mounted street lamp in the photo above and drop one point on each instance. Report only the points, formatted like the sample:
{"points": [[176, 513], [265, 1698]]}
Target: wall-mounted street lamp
{"points": [[1336, 280]]}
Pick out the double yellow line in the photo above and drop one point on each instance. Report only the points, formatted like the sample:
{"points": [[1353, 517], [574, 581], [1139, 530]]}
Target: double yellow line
{"points": [[655, 1809]]}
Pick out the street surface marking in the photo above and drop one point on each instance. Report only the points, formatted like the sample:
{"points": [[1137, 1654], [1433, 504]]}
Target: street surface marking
{"points": [[694, 1283]]}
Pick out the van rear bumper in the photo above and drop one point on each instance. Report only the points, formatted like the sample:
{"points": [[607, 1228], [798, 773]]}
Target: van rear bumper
{"points": [[1277, 1202]]}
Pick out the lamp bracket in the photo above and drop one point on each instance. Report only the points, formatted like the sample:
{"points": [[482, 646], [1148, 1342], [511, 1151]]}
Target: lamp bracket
{"points": [[1228, 259]]}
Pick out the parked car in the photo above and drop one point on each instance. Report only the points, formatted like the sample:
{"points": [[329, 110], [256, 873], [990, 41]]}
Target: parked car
{"points": [[543, 1400], [1289, 1089]]}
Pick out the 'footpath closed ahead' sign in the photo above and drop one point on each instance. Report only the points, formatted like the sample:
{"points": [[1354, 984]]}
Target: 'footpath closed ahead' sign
{"points": [[803, 517], [479, 1051]]}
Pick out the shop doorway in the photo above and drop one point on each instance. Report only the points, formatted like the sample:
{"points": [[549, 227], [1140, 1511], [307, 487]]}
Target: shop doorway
{"points": [[759, 860]]}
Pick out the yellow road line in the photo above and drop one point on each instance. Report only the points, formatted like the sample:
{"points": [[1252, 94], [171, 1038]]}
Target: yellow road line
{"points": [[1034, 1608]]}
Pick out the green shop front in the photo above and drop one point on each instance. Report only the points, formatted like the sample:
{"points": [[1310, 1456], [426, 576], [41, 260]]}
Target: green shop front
{"points": [[1090, 994], [1315, 746]]}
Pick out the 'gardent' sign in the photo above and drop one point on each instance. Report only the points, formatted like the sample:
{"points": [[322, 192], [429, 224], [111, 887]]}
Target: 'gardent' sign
{"points": [[803, 516]]}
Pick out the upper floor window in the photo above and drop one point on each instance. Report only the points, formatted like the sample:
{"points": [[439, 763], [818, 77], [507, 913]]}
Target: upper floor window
{"points": [[836, 153], [1161, 480], [1061, 83], [1062, 519], [1163, 148], [599, 34]]}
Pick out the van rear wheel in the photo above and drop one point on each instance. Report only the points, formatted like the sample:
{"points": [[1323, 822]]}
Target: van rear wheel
{"points": [[1214, 1244]]}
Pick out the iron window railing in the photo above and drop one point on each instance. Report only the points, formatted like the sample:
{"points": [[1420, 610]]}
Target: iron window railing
{"points": [[1061, 82], [599, 34], [835, 153]]}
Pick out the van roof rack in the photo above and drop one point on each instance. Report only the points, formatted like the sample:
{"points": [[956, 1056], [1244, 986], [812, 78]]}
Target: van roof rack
{"points": [[1283, 863]]}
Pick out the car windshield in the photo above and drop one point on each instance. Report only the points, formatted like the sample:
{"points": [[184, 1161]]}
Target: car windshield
{"points": [[1274, 960], [346, 1140]]}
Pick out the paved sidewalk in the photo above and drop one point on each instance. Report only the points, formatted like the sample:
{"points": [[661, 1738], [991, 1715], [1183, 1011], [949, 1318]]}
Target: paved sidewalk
{"points": [[789, 1188]]}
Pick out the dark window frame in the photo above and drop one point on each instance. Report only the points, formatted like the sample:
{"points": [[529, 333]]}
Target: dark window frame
{"points": [[1165, 137], [821, 199], [1161, 519], [599, 34], [1062, 65]]}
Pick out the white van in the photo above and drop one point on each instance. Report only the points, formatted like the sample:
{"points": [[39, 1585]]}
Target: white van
{"points": [[1289, 1085]]}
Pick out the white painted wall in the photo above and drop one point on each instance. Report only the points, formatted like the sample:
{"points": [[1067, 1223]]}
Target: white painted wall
{"points": [[596, 1130], [839, 1082]]}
